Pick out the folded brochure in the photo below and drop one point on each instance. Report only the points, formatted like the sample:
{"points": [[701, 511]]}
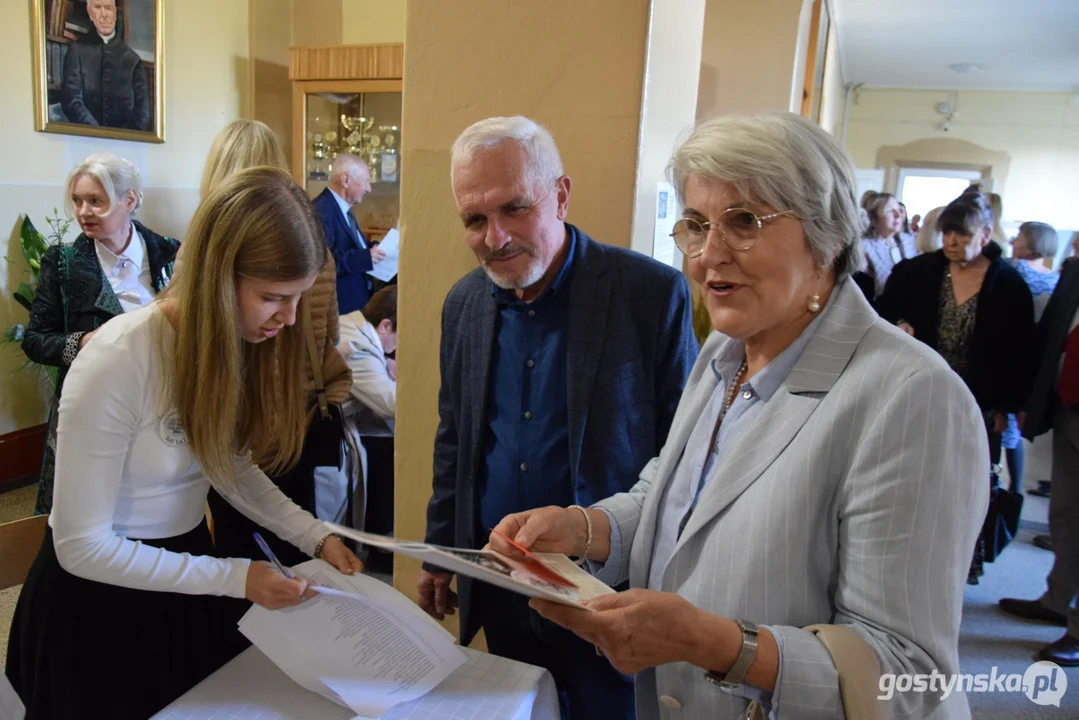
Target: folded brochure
{"points": [[550, 576]]}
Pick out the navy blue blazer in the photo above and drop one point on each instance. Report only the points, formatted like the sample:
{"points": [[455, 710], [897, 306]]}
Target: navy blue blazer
{"points": [[1053, 331], [630, 349], [353, 287]]}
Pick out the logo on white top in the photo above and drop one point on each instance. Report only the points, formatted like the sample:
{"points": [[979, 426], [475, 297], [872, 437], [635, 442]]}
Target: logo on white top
{"points": [[171, 431]]}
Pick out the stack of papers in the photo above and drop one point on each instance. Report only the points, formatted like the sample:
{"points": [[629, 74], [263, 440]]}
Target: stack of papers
{"points": [[361, 643]]}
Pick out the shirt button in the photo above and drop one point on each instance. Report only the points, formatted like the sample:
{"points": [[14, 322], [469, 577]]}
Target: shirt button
{"points": [[524, 467], [528, 415], [531, 313], [747, 394], [670, 702], [531, 363]]}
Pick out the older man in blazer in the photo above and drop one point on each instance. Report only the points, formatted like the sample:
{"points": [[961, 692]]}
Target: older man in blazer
{"points": [[562, 363], [350, 181], [1054, 405]]}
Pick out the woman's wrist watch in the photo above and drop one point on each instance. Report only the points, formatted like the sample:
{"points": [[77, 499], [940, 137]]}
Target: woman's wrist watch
{"points": [[734, 677]]}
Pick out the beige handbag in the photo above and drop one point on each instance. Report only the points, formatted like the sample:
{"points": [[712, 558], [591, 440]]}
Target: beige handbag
{"points": [[859, 673]]}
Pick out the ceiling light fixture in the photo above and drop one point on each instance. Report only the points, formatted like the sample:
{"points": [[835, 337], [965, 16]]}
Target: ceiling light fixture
{"points": [[964, 68]]}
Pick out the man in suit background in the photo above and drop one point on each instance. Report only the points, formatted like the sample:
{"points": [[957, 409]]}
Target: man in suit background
{"points": [[350, 181], [1054, 405], [562, 363], [104, 79]]}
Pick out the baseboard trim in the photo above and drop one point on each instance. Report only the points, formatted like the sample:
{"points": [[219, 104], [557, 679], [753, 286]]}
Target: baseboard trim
{"points": [[20, 457]]}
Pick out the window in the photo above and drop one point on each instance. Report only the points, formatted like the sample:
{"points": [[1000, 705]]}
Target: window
{"points": [[922, 189]]}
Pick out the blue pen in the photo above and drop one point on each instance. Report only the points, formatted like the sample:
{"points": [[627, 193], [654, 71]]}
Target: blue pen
{"points": [[273, 558]]}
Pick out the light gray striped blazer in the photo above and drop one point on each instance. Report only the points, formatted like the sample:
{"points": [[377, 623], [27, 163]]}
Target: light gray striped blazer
{"points": [[853, 497]]}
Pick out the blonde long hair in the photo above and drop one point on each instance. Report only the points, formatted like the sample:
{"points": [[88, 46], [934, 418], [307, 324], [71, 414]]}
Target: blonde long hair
{"points": [[232, 396], [242, 144]]}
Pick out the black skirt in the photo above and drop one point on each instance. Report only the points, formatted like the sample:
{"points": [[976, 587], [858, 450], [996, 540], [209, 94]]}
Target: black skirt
{"points": [[81, 648]]}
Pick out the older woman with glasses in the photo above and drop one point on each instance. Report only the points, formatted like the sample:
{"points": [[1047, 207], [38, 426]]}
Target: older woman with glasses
{"points": [[820, 469]]}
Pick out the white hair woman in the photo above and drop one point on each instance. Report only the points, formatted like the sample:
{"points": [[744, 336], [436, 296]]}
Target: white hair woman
{"points": [[929, 238], [115, 265], [818, 457]]}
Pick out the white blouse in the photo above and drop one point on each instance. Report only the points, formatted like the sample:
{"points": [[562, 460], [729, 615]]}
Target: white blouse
{"points": [[124, 470]]}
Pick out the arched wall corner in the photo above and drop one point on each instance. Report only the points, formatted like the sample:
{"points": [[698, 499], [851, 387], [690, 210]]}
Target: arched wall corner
{"points": [[950, 153]]}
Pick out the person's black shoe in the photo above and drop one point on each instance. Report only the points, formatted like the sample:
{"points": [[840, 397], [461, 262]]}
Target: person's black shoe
{"points": [[1042, 490], [972, 577], [1032, 610], [1044, 542], [1064, 652]]}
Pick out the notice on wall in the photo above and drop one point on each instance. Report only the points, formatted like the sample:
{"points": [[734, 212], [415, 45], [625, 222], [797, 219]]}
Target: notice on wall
{"points": [[663, 247]]}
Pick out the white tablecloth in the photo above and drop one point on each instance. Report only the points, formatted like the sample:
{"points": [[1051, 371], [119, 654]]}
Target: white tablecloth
{"points": [[484, 688]]}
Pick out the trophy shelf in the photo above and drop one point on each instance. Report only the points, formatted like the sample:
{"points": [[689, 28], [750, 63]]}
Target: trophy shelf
{"points": [[348, 99]]}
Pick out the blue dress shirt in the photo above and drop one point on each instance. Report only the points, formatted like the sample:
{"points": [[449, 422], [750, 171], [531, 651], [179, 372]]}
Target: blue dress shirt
{"points": [[526, 448]]}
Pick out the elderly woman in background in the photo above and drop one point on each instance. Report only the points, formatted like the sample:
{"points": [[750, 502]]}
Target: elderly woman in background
{"points": [[1033, 251], [974, 309], [818, 458], [241, 145], [115, 265]]}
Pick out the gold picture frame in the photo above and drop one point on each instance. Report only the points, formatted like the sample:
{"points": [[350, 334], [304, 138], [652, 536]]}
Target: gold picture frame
{"points": [[63, 103]]}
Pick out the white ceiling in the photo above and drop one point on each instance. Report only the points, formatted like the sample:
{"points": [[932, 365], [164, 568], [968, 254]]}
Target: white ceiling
{"points": [[1020, 44]]}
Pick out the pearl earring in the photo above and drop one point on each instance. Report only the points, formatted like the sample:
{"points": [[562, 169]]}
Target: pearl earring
{"points": [[814, 303]]}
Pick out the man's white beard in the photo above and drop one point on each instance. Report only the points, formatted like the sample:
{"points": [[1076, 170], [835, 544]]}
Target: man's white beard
{"points": [[508, 282]]}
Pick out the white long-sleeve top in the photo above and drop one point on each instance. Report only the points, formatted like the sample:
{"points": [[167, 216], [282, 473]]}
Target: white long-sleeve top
{"points": [[372, 387], [124, 470]]}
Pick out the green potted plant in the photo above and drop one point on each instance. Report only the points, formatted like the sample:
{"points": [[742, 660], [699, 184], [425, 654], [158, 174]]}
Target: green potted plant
{"points": [[34, 245]]}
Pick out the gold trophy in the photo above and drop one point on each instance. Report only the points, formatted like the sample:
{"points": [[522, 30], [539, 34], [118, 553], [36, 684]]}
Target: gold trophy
{"points": [[318, 152], [357, 128]]}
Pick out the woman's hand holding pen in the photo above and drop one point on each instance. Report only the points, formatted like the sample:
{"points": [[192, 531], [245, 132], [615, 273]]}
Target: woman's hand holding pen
{"points": [[272, 590]]}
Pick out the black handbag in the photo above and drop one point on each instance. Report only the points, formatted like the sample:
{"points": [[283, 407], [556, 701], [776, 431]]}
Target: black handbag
{"points": [[1002, 520]]}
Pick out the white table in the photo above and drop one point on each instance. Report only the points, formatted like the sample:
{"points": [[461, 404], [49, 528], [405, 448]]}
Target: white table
{"points": [[251, 687]]}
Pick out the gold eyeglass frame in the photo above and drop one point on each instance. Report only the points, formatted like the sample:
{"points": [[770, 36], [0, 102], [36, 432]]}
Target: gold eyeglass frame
{"points": [[708, 225]]}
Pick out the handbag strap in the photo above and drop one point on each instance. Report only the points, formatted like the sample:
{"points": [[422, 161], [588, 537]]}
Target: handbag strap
{"points": [[858, 667], [316, 365]]}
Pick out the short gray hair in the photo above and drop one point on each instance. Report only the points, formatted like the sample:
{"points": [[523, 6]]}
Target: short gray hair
{"points": [[543, 162], [788, 163], [117, 176], [1042, 238], [346, 164]]}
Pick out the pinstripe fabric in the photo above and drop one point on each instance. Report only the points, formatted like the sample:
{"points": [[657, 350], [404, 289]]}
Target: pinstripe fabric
{"points": [[854, 497]]}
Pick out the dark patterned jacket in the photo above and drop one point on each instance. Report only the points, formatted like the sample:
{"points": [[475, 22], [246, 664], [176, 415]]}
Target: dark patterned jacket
{"points": [[74, 297]]}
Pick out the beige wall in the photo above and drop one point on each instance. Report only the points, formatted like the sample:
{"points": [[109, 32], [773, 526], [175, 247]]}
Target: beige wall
{"points": [[751, 56], [206, 85], [372, 22], [833, 97], [317, 23], [581, 77], [270, 29], [1038, 131]]}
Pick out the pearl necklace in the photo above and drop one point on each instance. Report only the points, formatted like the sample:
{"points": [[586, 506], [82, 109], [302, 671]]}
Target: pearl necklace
{"points": [[736, 384]]}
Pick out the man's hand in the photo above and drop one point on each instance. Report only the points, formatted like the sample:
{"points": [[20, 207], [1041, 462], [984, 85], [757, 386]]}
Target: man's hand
{"points": [[391, 368], [436, 598], [86, 338], [377, 254]]}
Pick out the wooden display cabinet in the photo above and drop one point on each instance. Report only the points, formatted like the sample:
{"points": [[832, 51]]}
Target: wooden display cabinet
{"points": [[348, 99]]}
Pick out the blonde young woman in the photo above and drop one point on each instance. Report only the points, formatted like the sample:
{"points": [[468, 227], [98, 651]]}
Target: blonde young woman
{"points": [[119, 613], [245, 144]]}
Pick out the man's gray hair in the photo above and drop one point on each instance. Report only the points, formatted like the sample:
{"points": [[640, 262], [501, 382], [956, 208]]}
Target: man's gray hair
{"points": [[117, 176], [787, 163], [543, 163], [1042, 238], [346, 164]]}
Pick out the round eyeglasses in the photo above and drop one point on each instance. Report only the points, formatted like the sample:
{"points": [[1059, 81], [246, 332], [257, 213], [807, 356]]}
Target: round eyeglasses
{"points": [[738, 227]]}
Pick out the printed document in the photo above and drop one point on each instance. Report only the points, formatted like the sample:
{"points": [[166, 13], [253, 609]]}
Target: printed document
{"points": [[360, 643], [549, 576]]}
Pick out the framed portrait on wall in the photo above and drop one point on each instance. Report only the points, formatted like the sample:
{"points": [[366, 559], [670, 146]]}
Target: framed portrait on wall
{"points": [[99, 68]]}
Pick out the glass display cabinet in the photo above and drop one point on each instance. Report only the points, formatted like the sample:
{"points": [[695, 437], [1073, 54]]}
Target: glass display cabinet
{"points": [[347, 99]]}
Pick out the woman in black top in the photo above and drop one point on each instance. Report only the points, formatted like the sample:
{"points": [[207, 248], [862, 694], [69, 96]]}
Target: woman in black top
{"points": [[973, 308]]}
